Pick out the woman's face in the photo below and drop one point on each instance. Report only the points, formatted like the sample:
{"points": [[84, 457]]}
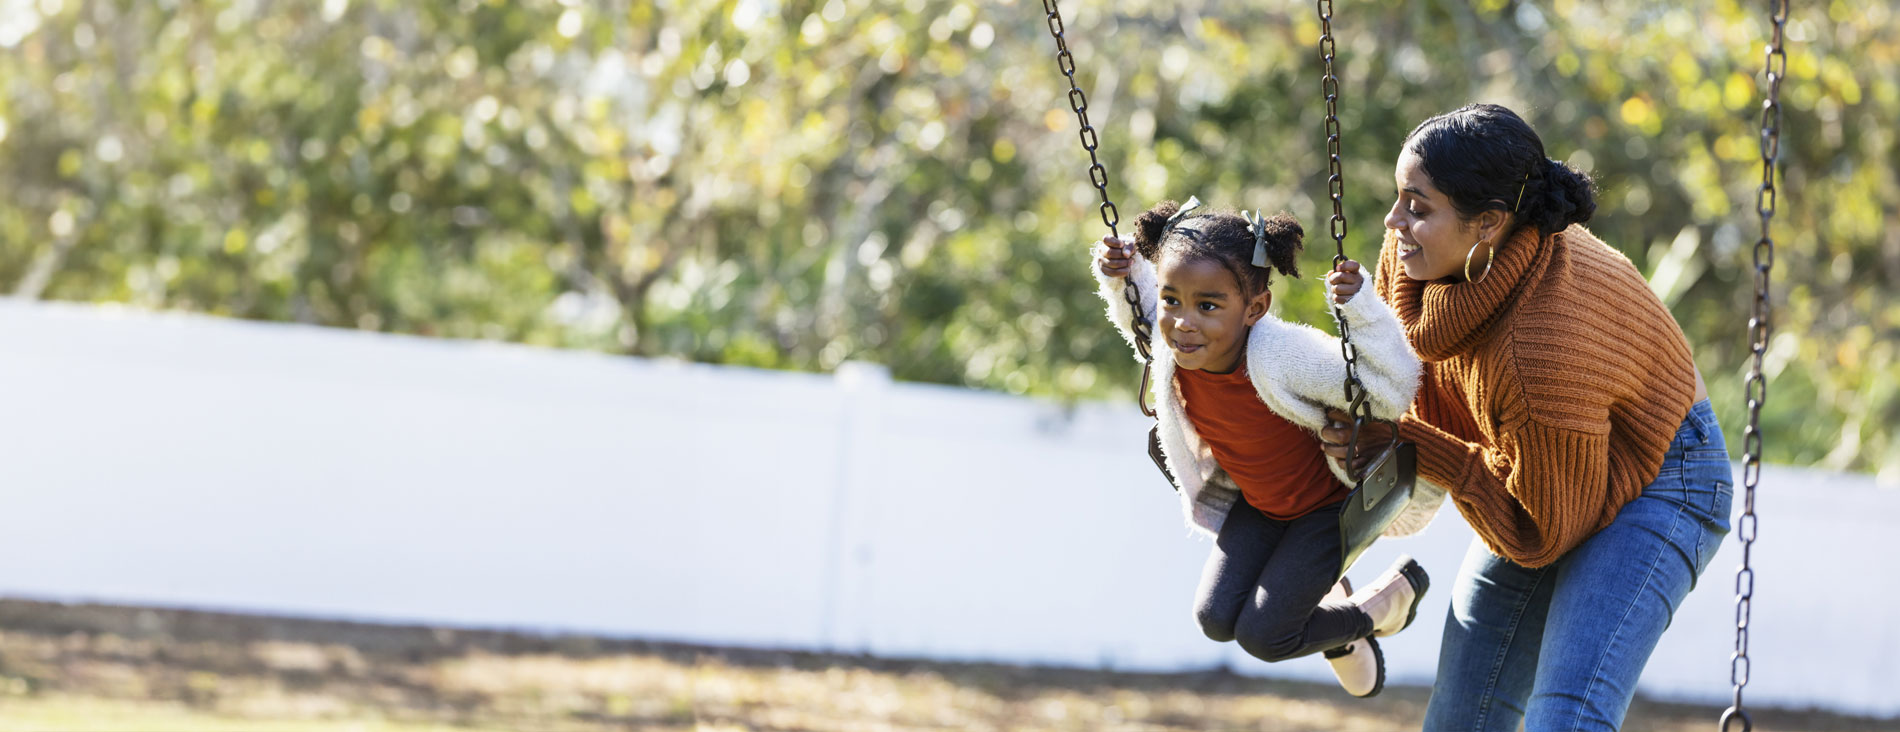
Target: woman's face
{"points": [[1433, 239], [1204, 316]]}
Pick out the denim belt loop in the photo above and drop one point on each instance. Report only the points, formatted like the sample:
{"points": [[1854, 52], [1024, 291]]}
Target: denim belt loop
{"points": [[1702, 418]]}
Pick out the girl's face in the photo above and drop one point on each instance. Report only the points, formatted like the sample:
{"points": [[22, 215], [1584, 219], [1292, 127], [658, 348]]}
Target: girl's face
{"points": [[1204, 317], [1433, 238]]}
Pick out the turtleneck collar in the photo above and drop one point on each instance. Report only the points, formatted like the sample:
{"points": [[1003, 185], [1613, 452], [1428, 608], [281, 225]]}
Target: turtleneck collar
{"points": [[1447, 317]]}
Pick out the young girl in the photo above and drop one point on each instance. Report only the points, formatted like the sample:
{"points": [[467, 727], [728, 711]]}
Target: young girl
{"points": [[1240, 396]]}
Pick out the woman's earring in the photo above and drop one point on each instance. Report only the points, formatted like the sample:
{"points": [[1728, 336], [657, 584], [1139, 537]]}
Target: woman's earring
{"points": [[1488, 253]]}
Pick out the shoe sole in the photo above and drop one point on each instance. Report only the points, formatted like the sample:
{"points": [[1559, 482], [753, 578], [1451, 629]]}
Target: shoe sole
{"points": [[1378, 657], [1378, 665], [1421, 582]]}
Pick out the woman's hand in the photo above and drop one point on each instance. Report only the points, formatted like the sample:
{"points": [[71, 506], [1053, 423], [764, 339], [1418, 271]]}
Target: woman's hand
{"points": [[1374, 436], [1344, 282], [1115, 256]]}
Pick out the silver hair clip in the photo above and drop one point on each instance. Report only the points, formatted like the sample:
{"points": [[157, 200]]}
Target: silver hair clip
{"points": [[1257, 223], [1193, 202]]}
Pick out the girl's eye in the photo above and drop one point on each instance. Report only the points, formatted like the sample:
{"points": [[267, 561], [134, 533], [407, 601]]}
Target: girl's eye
{"points": [[1169, 301], [1208, 307]]}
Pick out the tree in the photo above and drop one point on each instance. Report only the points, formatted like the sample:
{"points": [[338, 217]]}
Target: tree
{"points": [[791, 183]]}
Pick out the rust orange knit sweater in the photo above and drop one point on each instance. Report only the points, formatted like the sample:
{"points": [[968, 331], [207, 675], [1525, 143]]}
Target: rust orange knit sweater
{"points": [[1551, 389]]}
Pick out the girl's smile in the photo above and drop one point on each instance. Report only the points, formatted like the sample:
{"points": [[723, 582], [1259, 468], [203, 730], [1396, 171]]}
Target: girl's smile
{"points": [[1204, 316]]}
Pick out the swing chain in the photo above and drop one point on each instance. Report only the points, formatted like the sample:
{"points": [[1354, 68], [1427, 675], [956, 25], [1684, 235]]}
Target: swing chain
{"points": [[1757, 386], [1098, 175], [1356, 402]]}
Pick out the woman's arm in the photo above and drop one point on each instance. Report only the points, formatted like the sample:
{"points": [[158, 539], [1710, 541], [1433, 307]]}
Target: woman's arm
{"points": [[1533, 493], [1532, 498]]}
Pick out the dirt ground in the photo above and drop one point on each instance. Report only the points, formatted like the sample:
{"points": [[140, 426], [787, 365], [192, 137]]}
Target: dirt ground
{"points": [[101, 668]]}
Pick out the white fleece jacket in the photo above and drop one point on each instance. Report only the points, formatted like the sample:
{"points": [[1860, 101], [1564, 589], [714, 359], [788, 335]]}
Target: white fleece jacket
{"points": [[1298, 371]]}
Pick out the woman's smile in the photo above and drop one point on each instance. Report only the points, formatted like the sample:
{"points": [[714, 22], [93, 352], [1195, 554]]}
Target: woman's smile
{"points": [[1408, 248], [1431, 238]]}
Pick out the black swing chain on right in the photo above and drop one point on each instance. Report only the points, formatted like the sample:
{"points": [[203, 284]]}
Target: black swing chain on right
{"points": [[1356, 402], [1143, 329], [1757, 385]]}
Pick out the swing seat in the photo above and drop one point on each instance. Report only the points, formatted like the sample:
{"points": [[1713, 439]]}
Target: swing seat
{"points": [[1382, 494], [1160, 458]]}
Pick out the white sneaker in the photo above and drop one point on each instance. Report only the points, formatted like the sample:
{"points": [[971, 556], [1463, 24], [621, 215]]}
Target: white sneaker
{"points": [[1392, 599], [1359, 665]]}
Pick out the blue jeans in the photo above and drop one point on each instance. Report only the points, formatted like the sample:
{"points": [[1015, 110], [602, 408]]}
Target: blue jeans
{"points": [[1562, 646]]}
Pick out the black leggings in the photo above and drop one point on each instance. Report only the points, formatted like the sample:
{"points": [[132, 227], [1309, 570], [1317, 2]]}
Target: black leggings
{"points": [[1263, 584]]}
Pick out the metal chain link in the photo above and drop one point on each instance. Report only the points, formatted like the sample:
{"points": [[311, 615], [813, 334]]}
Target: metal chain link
{"points": [[1098, 175], [1356, 402], [1757, 385]]}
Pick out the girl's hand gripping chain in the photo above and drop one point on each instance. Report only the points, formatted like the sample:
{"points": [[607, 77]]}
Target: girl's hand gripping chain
{"points": [[1115, 256], [1344, 282]]}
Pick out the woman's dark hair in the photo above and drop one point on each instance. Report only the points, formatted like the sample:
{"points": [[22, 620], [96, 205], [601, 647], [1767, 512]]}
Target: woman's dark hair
{"points": [[1221, 236], [1480, 155]]}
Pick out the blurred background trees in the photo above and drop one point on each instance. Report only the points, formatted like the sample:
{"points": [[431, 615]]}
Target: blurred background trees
{"points": [[792, 183]]}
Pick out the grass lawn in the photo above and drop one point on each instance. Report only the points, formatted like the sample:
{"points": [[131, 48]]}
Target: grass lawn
{"points": [[108, 668]]}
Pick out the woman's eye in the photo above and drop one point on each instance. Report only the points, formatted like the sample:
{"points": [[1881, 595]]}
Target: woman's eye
{"points": [[1414, 212]]}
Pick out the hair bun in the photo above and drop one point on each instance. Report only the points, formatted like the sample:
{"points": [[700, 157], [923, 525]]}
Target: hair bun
{"points": [[1569, 197], [1150, 225]]}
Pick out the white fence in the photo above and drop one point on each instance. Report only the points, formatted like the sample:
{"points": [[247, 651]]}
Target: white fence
{"points": [[194, 461]]}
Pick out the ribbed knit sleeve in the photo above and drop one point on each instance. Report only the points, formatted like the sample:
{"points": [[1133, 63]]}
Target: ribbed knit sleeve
{"points": [[1530, 499]]}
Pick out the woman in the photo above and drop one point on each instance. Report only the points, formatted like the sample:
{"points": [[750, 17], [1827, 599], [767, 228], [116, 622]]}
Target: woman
{"points": [[1561, 411]]}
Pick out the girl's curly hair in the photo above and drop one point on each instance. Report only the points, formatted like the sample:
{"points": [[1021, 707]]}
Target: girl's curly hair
{"points": [[1222, 236]]}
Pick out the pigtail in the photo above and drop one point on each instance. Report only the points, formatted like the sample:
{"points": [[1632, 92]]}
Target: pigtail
{"points": [[1226, 237], [1284, 240], [1149, 227]]}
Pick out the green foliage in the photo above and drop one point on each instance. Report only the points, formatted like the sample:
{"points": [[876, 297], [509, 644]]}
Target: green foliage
{"points": [[791, 183]]}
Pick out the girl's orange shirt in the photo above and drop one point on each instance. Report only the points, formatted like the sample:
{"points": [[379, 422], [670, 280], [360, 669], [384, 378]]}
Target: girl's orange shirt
{"points": [[1278, 466]]}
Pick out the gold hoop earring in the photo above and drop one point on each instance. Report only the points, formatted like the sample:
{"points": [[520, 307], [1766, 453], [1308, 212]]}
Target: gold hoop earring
{"points": [[1488, 255]]}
